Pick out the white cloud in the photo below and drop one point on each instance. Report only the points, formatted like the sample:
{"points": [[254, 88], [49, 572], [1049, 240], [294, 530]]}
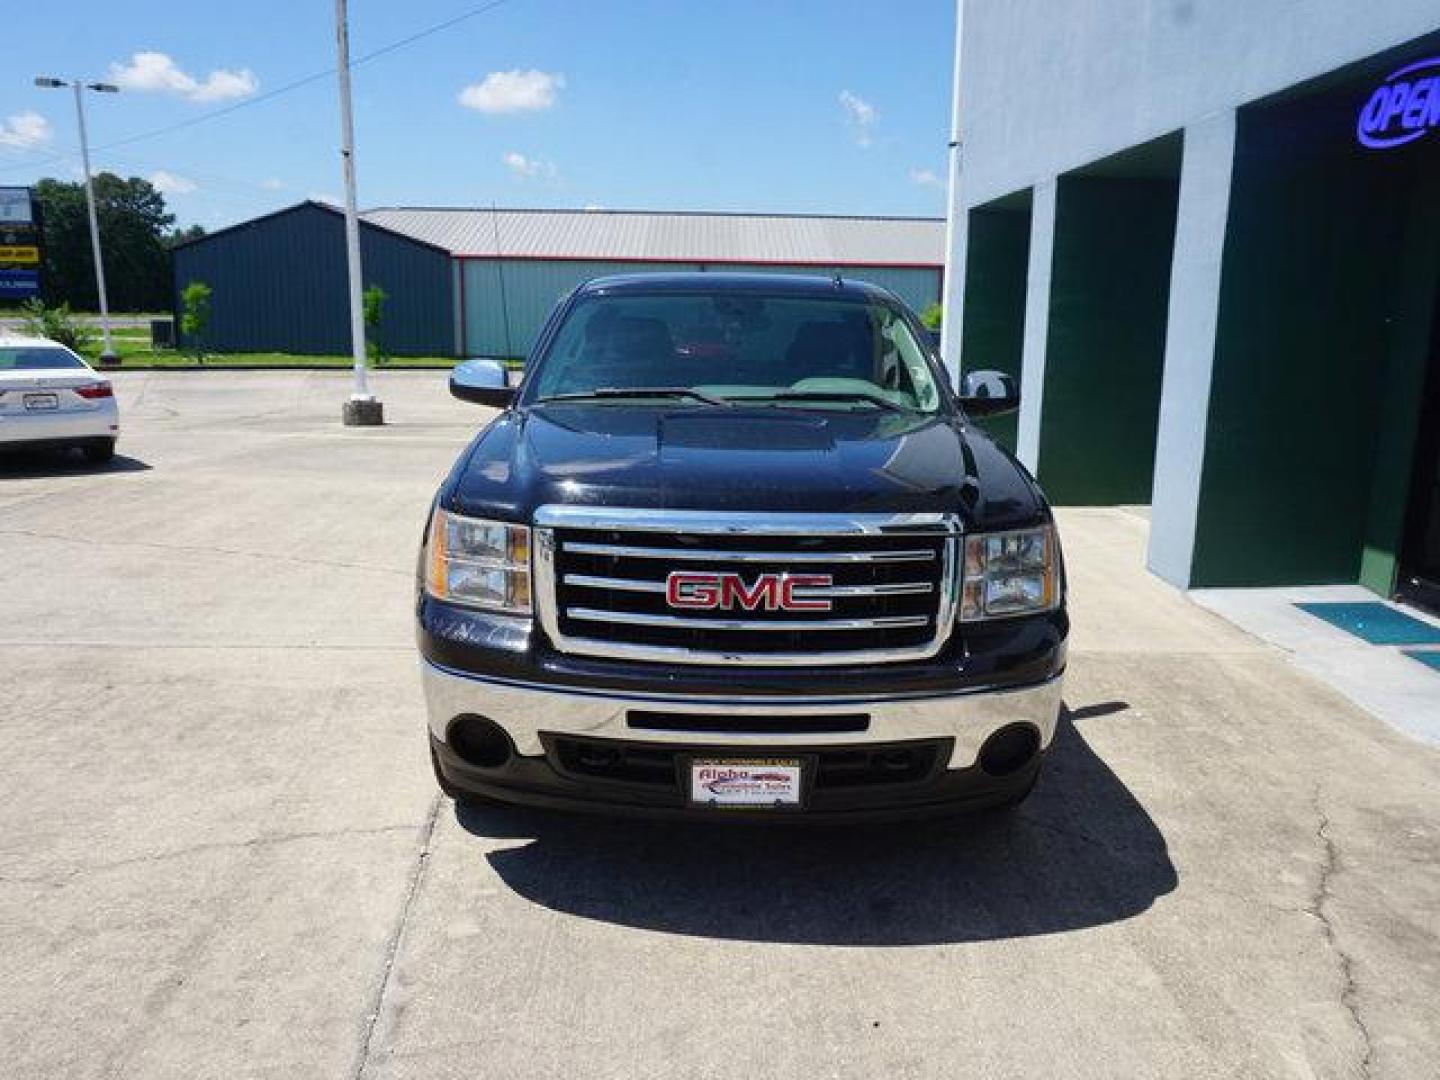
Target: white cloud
{"points": [[926, 178], [527, 168], [862, 116], [513, 91], [171, 184], [272, 184], [157, 73], [24, 131]]}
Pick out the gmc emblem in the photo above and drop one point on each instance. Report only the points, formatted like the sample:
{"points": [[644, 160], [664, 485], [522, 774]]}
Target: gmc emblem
{"points": [[708, 591]]}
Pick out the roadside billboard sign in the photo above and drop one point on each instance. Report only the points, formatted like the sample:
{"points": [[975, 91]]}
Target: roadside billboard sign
{"points": [[15, 206], [19, 284], [19, 255], [21, 249]]}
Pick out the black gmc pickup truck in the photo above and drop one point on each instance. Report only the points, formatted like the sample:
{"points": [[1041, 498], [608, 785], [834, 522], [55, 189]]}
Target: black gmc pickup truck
{"points": [[734, 549]]}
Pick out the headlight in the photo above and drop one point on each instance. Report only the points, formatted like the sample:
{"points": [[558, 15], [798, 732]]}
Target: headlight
{"points": [[483, 564], [1010, 573]]}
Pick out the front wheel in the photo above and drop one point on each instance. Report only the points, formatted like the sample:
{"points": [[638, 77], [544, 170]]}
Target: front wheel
{"points": [[97, 453]]}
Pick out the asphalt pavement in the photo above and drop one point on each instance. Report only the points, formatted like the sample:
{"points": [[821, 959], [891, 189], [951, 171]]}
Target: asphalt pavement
{"points": [[222, 853]]}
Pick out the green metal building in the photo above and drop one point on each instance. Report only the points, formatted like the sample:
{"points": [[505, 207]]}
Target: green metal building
{"points": [[481, 282]]}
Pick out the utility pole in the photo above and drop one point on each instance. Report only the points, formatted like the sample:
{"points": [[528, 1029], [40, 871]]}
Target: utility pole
{"points": [[362, 410], [108, 356], [956, 226]]}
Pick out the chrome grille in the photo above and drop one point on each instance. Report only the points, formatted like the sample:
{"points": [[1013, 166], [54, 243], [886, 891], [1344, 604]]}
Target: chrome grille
{"points": [[601, 579]]}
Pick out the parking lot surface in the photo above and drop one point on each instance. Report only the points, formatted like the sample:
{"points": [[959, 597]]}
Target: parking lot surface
{"points": [[222, 854]]}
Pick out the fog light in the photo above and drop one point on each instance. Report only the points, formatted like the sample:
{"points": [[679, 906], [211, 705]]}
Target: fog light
{"points": [[479, 741], [1010, 749]]}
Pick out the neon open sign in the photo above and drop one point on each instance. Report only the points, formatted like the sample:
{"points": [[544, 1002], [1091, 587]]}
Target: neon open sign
{"points": [[1403, 108]]}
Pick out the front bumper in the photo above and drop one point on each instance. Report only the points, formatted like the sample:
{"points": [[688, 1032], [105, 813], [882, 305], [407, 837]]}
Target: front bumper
{"points": [[941, 734]]}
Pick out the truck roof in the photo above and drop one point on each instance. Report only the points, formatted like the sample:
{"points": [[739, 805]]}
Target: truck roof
{"points": [[772, 284]]}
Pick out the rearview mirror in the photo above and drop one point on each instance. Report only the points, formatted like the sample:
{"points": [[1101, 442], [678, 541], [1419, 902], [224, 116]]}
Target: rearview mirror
{"points": [[988, 393], [483, 382]]}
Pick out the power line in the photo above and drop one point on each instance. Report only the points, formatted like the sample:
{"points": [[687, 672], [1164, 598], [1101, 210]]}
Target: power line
{"points": [[215, 114], [239, 191], [296, 84]]}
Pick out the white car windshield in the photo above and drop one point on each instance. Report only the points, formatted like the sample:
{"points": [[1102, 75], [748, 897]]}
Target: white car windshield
{"points": [[37, 358], [732, 347]]}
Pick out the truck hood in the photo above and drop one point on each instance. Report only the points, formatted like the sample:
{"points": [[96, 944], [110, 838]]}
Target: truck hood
{"points": [[756, 459]]}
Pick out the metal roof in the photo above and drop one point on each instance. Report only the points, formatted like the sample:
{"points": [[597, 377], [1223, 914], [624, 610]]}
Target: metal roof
{"points": [[680, 237]]}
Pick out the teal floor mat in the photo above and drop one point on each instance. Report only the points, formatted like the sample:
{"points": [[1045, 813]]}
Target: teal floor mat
{"points": [[1375, 622], [1429, 659]]}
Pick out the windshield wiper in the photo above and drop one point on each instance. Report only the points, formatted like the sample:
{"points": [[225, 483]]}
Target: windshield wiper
{"points": [[636, 392], [829, 395]]}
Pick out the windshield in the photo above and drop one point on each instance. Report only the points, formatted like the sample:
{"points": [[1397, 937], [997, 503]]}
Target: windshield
{"points": [[37, 358], [802, 352]]}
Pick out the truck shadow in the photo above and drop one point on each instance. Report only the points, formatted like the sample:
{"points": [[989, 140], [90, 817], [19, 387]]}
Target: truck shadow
{"points": [[1082, 852]]}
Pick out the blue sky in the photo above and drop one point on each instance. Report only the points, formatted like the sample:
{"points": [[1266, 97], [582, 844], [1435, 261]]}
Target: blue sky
{"points": [[818, 106]]}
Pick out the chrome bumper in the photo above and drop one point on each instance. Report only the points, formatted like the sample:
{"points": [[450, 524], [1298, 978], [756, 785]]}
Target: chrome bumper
{"points": [[524, 710]]}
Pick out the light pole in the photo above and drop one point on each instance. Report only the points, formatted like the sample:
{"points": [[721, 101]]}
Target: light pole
{"points": [[362, 410], [108, 356], [956, 223]]}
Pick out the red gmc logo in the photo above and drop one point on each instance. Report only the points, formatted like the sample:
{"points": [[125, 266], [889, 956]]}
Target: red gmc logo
{"points": [[708, 591]]}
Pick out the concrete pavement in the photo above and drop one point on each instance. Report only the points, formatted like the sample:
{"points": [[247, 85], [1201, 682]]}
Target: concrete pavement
{"points": [[117, 322], [221, 853]]}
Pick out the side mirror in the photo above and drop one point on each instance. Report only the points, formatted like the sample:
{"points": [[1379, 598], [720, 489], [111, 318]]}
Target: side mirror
{"points": [[483, 382], [988, 393]]}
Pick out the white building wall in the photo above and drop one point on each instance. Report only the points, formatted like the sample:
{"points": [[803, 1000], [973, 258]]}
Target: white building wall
{"points": [[1049, 85], [1190, 350]]}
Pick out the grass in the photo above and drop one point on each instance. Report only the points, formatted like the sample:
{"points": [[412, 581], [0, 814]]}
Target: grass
{"points": [[15, 310], [136, 354]]}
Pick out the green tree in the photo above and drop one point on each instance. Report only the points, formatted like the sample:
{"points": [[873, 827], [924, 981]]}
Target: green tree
{"points": [[373, 308], [195, 317], [57, 324], [177, 237], [134, 226], [933, 316]]}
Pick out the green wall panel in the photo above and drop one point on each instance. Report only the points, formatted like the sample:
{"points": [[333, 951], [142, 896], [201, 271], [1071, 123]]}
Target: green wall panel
{"points": [[507, 301], [1320, 351], [1411, 303], [1105, 353], [993, 319], [280, 282]]}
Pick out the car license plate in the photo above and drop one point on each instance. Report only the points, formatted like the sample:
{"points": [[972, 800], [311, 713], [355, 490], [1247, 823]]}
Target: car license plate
{"points": [[41, 401], [746, 781]]}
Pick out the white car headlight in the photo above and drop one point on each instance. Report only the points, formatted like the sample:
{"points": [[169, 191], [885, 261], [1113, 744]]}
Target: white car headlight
{"points": [[482, 564], [1010, 573]]}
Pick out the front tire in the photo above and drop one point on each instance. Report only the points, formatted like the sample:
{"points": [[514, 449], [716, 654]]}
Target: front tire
{"points": [[99, 452]]}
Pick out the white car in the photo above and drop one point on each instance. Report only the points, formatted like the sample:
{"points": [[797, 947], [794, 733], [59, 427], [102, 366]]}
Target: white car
{"points": [[51, 398]]}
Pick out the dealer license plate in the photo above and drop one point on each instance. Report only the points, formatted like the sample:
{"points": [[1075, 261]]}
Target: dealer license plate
{"points": [[41, 401], [745, 781]]}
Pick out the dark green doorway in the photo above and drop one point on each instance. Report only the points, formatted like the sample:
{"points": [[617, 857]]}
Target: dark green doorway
{"points": [[992, 327], [1420, 550], [1105, 342]]}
